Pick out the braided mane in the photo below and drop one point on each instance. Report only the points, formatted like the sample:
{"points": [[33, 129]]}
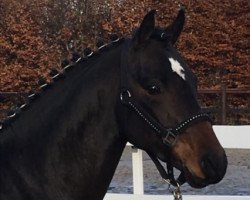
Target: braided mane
{"points": [[67, 65]]}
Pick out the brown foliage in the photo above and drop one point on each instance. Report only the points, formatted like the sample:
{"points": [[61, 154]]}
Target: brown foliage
{"points": [[22, 49], [36, 35], [215, 40]]}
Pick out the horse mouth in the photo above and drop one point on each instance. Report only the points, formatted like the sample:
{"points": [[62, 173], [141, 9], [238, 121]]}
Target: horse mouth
{"points": [[193, 180], [190, 177]]}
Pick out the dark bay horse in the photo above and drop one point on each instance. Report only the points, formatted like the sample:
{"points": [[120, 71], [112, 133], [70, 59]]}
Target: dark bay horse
{"points": [[66, 143]]}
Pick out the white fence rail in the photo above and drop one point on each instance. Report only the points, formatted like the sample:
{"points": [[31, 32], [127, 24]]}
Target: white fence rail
{"points": [[236, 137], [170, 197]]}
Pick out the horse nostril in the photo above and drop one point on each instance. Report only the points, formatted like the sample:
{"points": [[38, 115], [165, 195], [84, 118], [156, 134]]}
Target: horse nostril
{"points": [[210, 166], [214, 167]]}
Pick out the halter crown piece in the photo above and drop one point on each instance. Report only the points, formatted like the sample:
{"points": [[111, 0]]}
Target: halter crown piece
{"points": [[169, 135]]}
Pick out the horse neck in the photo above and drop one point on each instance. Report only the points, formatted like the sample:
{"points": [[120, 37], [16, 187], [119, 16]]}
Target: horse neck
{"points": [[73, 133]]}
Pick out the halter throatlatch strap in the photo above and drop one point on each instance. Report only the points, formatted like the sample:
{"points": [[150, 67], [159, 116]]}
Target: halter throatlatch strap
{"points": [[169, 135], [169, 175]]}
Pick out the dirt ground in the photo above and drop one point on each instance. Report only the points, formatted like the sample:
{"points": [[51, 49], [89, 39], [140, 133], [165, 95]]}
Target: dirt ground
{"points": [[235, 182]]}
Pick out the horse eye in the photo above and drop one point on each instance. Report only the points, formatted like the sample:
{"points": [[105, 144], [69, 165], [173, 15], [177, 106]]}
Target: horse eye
{"points": [[153, 90]]}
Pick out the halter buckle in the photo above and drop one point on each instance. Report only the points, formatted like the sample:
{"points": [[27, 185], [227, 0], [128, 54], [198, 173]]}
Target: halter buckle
{"points": [[124, 95], [170, 137]]}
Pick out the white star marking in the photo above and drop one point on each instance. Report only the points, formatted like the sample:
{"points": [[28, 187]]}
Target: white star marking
{"points": [[177, 68]]}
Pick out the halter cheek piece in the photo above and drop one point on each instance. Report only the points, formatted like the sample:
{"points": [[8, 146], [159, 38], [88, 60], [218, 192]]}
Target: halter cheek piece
{"points": [[169, 135]]}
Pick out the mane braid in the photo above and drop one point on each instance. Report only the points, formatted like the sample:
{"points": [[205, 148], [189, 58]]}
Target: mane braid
{"points": [[53, 72], [66, 65], [23, 106], [78, 60]]}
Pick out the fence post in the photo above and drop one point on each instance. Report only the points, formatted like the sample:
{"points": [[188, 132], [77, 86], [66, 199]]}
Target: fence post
{"points": [[137, 166], [223, 104]]}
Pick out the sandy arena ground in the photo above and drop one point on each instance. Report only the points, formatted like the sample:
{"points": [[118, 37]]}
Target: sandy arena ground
{"points": [[235, 182]]}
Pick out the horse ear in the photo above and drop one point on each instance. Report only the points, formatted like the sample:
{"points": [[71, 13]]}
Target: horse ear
{"points": [[174, 30], [146, 28]]}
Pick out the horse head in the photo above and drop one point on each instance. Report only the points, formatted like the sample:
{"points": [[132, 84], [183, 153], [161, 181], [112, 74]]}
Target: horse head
{"points": [[164, 116]]}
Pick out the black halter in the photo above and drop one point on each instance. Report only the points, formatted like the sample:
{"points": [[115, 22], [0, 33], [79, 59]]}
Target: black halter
{"points": [[168, 135]]}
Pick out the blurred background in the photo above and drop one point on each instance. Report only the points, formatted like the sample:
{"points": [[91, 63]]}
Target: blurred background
{"points": [[36, 36]]}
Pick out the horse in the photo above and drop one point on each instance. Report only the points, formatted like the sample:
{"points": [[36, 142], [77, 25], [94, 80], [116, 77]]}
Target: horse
{"points": [[66, 142]]}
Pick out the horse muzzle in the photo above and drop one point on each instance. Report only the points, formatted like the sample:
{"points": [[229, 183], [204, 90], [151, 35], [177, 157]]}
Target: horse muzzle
{"points": [[213, 167]]}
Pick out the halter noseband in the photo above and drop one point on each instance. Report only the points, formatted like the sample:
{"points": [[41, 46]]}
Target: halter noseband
{"points": [[169, 135]]}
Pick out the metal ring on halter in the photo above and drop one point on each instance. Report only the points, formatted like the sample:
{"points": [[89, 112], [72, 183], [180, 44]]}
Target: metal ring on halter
{"points": [[167, 181], [177, 187], [123, 93]]}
